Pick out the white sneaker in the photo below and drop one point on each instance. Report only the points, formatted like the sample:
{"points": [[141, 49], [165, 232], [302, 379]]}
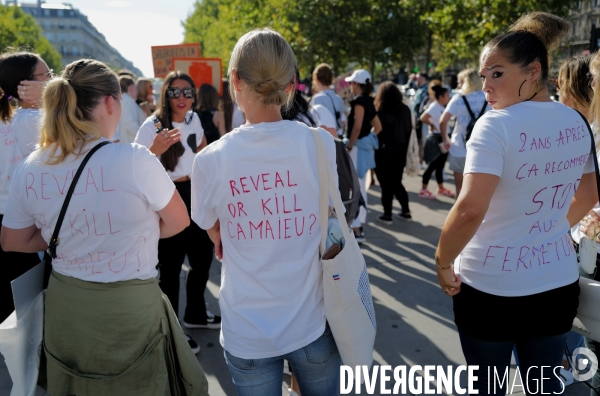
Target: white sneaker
{"points": [[286, 368], [291, 392]]}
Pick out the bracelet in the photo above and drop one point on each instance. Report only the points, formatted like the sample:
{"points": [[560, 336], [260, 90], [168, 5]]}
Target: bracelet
{"points": [[437, 264]]}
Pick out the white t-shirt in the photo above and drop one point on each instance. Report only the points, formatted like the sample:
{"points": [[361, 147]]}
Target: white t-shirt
{"points": [[457, 107], [333, 102], [261, 182], [237, 119], [326, 119], [191, 138], [435, 111], [111, 229], [132, 117], [540, 151], [18, 139]]}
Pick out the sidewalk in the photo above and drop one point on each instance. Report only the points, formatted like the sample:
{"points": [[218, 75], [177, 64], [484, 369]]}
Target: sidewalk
{"points": [[414, 318]]}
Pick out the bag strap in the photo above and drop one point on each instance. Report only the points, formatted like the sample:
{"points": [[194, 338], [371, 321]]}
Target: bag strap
{"points": [[593, 153], [337, 121], [482, 109], [327, 190], [464, 98], [63, 211]]}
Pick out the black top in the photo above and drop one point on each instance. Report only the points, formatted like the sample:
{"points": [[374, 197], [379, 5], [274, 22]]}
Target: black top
{"points": [[396, 129], [367, 103], [211, 132]]}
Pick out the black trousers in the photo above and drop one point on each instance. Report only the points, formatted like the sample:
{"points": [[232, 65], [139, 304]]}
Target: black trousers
{"points": [[389, 170], [436, 165], [195, 243], [13, 265]]}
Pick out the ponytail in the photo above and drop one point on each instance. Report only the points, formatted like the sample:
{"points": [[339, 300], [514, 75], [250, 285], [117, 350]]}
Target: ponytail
{"points": [[69, 102]]}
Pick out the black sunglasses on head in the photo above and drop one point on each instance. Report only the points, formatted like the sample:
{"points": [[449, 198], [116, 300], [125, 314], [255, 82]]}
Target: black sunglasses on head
{"points": [[174, 93]]}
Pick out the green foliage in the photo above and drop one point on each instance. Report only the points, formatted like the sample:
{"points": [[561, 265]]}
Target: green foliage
{"points": [[20, 30], [461, 28], [362, 32]]}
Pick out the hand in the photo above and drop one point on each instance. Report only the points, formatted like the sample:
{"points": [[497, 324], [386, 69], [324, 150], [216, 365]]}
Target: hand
{"points": [[31, 91], [449, 281], [215, 236], [447, 144], [589, 224], [163, 140]]}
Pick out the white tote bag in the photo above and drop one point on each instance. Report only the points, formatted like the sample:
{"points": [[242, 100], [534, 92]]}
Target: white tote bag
{"points": [[346, 289]]}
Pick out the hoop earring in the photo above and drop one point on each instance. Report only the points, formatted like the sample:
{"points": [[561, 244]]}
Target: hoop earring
{"points": [[521, 86]]}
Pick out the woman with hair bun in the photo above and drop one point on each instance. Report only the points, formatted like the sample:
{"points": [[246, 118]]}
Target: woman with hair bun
{"points": [[108, 330], [470, 95], [431, 117], [174, 134], [22, 75], [256, 191], [515, 278]]}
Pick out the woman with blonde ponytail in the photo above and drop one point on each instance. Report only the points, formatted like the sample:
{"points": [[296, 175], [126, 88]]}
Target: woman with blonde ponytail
{"points": [[256, 191], [22, 76], [505, 255], [107, 328]]}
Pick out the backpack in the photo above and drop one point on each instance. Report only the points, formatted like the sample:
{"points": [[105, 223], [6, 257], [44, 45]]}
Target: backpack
{"points": [[347, 181], [471, 124], [336, 113]]}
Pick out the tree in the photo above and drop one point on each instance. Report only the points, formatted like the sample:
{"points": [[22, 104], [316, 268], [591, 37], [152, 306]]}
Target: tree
{"points": [[20, 30], [459, 29]]}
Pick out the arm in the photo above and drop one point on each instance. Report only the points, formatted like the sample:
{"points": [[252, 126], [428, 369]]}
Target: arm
{"points": [[426, 119], [376, 124], [463, 221], [584, 199], [203, 144], [214, 234], [444, 126], [359, 113], [219, 120], [173, 217], [25, 240]]}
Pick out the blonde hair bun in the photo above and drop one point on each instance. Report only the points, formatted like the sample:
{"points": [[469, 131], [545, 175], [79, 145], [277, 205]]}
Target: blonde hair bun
{"points": [[267, 64], [549, 28]]}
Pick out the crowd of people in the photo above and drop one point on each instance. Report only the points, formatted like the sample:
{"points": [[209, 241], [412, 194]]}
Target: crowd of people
{"points": [[191, 174]]}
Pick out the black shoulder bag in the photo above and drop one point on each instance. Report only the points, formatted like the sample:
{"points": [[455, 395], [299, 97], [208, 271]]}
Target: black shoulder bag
{"points": [[337, 113], [54, 241], [473, 119]]}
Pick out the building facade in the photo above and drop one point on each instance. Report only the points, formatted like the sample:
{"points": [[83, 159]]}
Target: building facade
{"points": [[585, 14], [73, 36]]}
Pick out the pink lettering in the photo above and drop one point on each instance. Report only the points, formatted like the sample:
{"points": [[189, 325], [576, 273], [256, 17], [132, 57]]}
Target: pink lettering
{"points": [[288, 180], [286, 228], [538, 202], [299, 233], [268, 228], [257, 227], [95, 229], [44, 184], [102, 179], [30, 186], [234, 190], [296, 209], [240, 231], [505, 258], [243, 185], [488, 254], [110, 226], [72, 227], [264, 180], [265, 209], [283, 205], [229, 231], [241, 209], [278, 180], [61, 190]]}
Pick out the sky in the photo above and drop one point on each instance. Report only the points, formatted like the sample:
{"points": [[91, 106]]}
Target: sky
{"points": [[133, 26]]}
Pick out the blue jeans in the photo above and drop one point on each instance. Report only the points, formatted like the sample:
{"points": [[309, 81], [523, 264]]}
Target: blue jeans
{"points": [[316, 367], [533, 354]]}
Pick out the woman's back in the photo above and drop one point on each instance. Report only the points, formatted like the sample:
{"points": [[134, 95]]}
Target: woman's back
{"points": [[539, 150], [265, 191], [395, 129], [110, 231], [457, 108]]}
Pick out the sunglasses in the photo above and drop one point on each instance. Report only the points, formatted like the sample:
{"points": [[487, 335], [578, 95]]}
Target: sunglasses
{"points": [[175, 93]]}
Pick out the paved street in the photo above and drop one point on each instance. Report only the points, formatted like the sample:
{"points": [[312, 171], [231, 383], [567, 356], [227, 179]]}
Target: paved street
{"points": [[414, 318]]}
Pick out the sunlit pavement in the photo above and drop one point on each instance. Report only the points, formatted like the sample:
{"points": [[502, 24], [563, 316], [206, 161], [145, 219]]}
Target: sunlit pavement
{"points": [[414, 318]]}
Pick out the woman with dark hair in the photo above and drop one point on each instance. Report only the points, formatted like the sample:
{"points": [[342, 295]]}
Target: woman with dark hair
{"points": [[507, 233], [213, 120], [362, 118], [227, 106], [175, 135], [20, 128], [390, 159], [108, 330], [436, 161]]}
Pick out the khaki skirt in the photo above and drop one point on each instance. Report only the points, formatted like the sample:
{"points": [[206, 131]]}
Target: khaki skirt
{"points": [[120, 338]]}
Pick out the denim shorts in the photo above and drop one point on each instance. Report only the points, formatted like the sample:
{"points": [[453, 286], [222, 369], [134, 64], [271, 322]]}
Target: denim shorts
{"points": [[316, 367]]}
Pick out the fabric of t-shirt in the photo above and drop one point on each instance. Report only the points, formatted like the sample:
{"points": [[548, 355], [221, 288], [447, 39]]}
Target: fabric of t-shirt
{"points": [[369, 113], [395, 129], [261, 182], [326, 119], [457, 107], [191, 137], [539, 150], [435, 111], [19, 136], [332, 102], [208, 125], [237, 120], [111, 229]]}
